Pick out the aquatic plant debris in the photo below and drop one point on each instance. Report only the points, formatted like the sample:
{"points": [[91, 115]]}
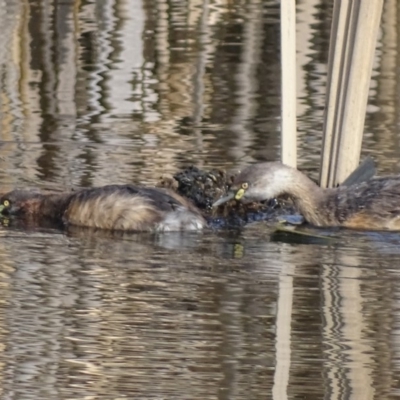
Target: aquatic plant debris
{"points": [[292, 234], [203, 188]]}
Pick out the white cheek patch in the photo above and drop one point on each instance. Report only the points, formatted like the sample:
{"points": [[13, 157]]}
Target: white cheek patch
{"points": [[254, 194]]}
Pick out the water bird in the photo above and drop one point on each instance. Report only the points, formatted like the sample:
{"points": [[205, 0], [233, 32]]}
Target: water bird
{"points": [[113, 207], [370, 205]]}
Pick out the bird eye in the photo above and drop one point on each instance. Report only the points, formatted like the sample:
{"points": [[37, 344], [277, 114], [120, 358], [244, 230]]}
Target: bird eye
{"points": [[245, 185], [6, 203]]}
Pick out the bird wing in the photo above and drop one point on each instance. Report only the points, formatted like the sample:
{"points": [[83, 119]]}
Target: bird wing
{"points": [[377, 198], [122, 207]]}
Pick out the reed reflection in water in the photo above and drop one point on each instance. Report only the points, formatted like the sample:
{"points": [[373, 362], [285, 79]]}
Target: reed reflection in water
{"points": [[118, 91], [230, 316], [140, 87]]}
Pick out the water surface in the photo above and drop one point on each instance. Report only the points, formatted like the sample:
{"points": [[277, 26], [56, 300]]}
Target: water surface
{"points": [[116, 91]]}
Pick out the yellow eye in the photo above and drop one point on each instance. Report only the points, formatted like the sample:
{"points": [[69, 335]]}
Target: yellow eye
{"points": [[245, 185], [6, 203]]}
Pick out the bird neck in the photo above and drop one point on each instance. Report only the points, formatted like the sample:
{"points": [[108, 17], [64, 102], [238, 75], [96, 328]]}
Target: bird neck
{"points": [[307, 197], [49, 205]]}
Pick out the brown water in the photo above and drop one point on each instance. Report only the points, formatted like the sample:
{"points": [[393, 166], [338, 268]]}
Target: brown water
{"points": [[122, 91]]}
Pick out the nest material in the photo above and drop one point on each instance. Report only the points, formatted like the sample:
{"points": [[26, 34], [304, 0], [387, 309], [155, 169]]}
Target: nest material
{"points": [[203, 188]]}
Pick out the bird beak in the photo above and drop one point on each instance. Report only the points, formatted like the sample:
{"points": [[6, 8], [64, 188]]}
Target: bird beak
{"points": [[223, 200]]}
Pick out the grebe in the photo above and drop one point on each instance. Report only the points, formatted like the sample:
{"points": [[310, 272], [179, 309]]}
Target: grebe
{"points": [[113, 207], [371, 205]]}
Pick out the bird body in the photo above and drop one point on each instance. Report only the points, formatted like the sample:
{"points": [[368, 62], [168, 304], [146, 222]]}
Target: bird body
{"points": [[372, 205], [113, 207]]}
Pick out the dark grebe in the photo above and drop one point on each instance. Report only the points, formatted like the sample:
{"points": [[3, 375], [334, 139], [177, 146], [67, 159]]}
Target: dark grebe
{"points": [[113, 207]]}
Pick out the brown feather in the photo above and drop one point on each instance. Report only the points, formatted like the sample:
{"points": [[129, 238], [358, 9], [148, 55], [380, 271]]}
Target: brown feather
{"points": [[374, 204], [113, 207], [112, 211]]}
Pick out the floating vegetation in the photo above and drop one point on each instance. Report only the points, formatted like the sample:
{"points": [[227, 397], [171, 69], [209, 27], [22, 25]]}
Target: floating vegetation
{"points": [[203, 188]]}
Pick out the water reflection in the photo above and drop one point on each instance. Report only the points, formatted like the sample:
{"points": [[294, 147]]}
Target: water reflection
{"points": [[123, 91], [196, 82], [110, 318]]}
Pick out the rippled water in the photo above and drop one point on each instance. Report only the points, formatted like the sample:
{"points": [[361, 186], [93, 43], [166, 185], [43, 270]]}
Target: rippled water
{"points": [[123, 91], [204, 316]]}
